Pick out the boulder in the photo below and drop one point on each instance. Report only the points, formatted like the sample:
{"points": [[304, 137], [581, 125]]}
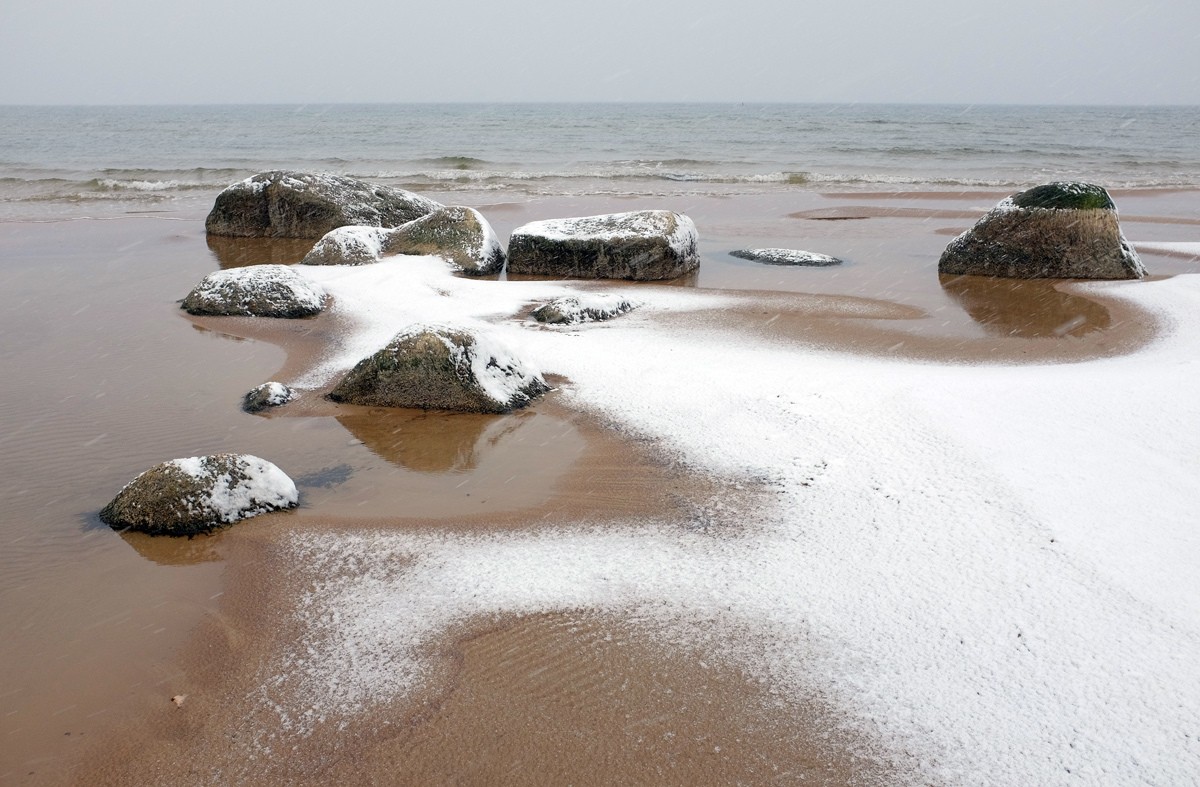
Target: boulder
{"points": [[257, 291], [441, 368], [1057, 230], [787, 257], [199, 494], [350, 245], [643, 245], [574, 309], [267, 395], [461, 236], [284, 204]]}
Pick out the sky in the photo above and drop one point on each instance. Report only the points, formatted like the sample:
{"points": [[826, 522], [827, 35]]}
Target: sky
{"points": [[305, 51]]}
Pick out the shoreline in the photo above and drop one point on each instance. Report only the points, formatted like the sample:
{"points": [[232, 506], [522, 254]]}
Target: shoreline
{"points": [[676, 493]]}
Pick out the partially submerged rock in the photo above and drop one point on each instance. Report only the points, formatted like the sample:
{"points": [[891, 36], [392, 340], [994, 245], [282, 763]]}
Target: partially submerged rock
{"points": [[257, 291], [643, 245], [267, 395], [461, 236], [1057, 230], [786, 257], [351, 245], [285, 204], [199, 494], [440, 368], [573, 309]]}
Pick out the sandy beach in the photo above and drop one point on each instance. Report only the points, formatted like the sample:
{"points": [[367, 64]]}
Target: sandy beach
{"points": [[601, 669]]}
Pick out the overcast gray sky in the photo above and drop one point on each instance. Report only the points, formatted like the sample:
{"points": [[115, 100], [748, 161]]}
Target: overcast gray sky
{"points": [[304, 51]]}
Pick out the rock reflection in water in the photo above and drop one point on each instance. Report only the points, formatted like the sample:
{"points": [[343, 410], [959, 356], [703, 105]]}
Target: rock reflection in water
{"points": [[1025, 308], [240, 252], [432, 442], [175, 550]]}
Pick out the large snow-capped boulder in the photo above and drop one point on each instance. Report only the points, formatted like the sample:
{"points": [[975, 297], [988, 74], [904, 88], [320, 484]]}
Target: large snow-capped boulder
{"points": [[350, 245], [285, 204], [643, 245], [1057, 230], [586, 307], [787, 257], [256, 291], [442, 368], [199, 494], [461, 236]]}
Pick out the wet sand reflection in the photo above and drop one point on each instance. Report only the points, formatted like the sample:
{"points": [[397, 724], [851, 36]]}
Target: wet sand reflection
{"points": [[175, 551], [240, 252], [1025, 308], [431, 442]]}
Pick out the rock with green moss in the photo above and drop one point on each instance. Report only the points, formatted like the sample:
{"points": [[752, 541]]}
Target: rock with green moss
{"points": [[642, 245], [442, 368], [199, 494], [1053, 231], [256, 291], [461, 236], [286, 204]]}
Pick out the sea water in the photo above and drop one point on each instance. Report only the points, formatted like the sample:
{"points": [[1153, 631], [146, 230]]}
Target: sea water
{"points": [[72, 160]]}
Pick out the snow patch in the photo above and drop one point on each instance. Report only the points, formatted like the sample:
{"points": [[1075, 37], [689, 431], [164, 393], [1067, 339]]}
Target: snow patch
{"points": [[999, 590]]}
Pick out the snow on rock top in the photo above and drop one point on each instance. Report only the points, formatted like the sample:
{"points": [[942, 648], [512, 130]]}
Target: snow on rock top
{"points": [[200, 493], [786, 257], [585, 307], [679, 229], [350, 245], [438, 367], [286, 204], [256, 290], [641, 245]]}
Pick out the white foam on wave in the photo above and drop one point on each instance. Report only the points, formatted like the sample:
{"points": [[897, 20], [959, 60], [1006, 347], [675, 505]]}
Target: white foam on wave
{"points": [[989, 568]]}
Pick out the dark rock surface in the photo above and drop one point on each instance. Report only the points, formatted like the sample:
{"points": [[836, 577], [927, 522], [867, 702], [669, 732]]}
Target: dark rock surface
{"points": [[643, 245], [285, 204], [199, 494], [461, 236], [439, 368], [1057, 230]]}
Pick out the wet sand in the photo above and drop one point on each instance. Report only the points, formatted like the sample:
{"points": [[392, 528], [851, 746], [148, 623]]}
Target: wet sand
{"points": [[106, 377]]}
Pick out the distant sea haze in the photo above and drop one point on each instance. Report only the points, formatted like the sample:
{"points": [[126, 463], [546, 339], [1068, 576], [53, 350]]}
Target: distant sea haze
{"points": [[54, 159]]}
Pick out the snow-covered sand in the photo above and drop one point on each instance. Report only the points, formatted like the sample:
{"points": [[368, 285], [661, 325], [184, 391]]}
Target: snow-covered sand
{"points": [[990, 569]]}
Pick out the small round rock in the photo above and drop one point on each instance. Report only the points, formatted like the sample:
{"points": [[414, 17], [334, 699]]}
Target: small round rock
{"points": [[267, 395]]}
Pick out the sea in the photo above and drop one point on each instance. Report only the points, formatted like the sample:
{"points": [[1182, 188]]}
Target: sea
{"points": [[68, 161]]}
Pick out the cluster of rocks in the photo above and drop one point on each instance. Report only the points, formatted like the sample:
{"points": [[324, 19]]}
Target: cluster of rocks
{"points": [[1057, 230]]}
